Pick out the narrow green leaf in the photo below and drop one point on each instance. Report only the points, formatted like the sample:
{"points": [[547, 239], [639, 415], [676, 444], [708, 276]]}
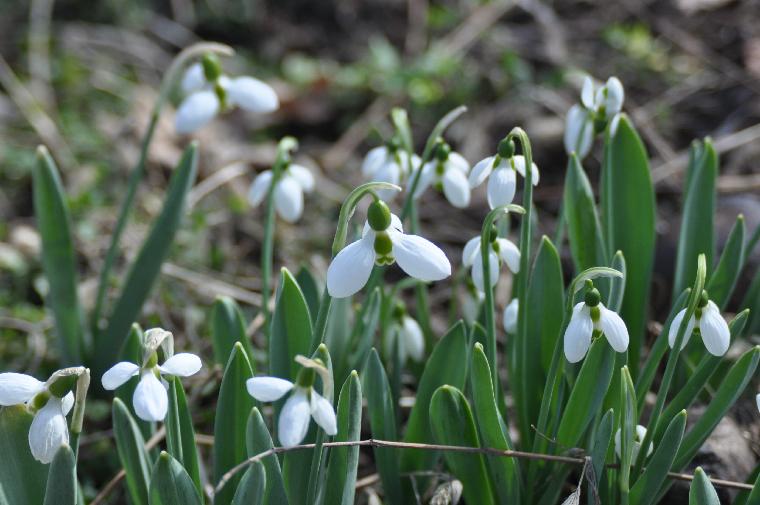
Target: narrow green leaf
{"points": [[130, 445], [648, 485], [365, 329], [250, 491], [22, 478], [147, 266], [400, 121], [180, 434], [752, 301], [723, 280], [227, 327], [258, 440], [291, 328], [171, 485], [344, 461], [452, 424], [230, 421], [61, 486], [584, 230], [628, 418], [310, 290], [617, 284], [58, 260], [338, 336], [601, 445], [702, 491]]}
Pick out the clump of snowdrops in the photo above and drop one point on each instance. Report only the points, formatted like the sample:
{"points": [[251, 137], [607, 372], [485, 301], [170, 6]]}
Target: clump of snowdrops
{"points": [[596, 402]]}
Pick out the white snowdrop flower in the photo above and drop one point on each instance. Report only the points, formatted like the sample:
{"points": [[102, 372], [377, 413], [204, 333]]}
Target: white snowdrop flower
{"points": [[502, 250], [471, 301], [388, 164], [500, 172], [589, 316], [407, 332], [288, 192], [579, 131], [209, 92], [384, 242], [599, 106], [638, 437], [448, 173], [150, 398], [714, 330], [510, 316], [303, 404], [50, 401]]}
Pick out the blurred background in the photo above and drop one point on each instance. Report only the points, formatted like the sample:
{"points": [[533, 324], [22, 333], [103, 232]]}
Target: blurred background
{"points": [[82, 77]]}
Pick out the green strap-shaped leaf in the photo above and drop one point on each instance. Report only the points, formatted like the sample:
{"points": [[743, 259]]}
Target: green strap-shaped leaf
{"points": [[493, 430], [131, 448], [617, 284], [259, 440], [338, 336], [584, 230], [365, 329], [750, 497], [310, 291], [452, 424], [723, 280], [230, 421], [628, 205], [752, 301], [61, 486], [628, 418], [22, 478], [648, 485], [702, 491], [446, 365], [382, 422], [227, 327], [697, 235], [251, 489], [344, 461], [171, 485], [180, 434], [147, 266], [58, 261], [601, 444], [291, 328]]}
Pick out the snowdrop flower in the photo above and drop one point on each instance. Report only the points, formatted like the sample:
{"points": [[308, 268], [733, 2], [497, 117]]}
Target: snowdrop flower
{"points": [[303, 403], [50, 401], [598, 107], [288, 191], [501, 250], [579, 131], [471, 301], [150, 399], [390, 164], [500, 171], [408, 334], [592, 316], [638, 438], [384, 242], [209, 92], [713, 328], [447, 173], [510, 316]]}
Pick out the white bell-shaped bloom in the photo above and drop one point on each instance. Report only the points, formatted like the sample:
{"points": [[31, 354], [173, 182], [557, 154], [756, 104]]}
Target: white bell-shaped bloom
{"points": [[510, 316], [48, 430], [578, 334], [411, 341], [604, 102], [638, 437], [713, 328], [382, 164], [418, 257], [502, 181], [288, 193], [303, 403], [579, 131], [502, 250], [450, 175], [150, 398]]}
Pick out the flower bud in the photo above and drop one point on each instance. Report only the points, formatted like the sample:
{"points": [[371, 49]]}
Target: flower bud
{"points": [[212, 69], [383, 245], [593, 297], [506, 148], [494, 234], [305, 377], [63, 385], [442, 151], [379, 215]]}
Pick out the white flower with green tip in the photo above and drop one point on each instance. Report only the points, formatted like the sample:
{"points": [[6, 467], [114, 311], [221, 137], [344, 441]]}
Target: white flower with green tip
{"points": [[502, 250], [510, 316], [714, 330], [501, 170], [407, 334], [447, 172], [288, 191], [592, 316], [599, 106], [638, 437], [388, 164]]}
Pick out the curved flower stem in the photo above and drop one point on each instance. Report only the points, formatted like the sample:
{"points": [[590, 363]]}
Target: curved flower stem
{"points": [[138, 172], [77, 418]]}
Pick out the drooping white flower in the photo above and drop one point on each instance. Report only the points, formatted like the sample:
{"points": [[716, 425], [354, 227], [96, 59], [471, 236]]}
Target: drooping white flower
{"points": [[579, 131], [48, 431], [388, 164], [714, 330], [208, 94], [288, 192], [411, 341], [599, 106], [384, 242], [303, 403], [150, 398], [638, 437], [510, 316], [502, 249], [448, 173], [588, 316], [470, 301], [502, 181]]}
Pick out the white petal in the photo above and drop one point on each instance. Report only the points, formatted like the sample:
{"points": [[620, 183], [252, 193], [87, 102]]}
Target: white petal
{"points": [[477, 271], [518, 162], [619, 444], [587, 93], [510, 254], [374, 159], [757, 399], [673, 331], [294, 419], [501, 187], [458, 162], [471, 251], [150, 399], [324, 414], [510, 316], [613, 328], [67, 403], [578, 334], [427, 176], [252, 94], [615, 97], [17, 388], [288, 199], [388, 172], [193, 78], [715, 333], [196, 111], [351, 267], [183, 364], [456, 188], [414, 340], [268, 389], [48, 431], [119, 374], [258, 191], [579, 131], [480, 172], [419, 257], [303, 175]]}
